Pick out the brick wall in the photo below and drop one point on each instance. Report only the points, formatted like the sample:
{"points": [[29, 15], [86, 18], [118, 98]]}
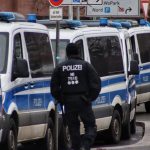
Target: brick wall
{"points": [[6, 5]]}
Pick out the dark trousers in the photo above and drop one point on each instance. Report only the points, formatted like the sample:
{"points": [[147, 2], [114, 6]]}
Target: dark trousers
{"points": [[79, 110]]}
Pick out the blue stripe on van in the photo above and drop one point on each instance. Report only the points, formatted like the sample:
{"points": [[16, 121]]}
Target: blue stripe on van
{"points": [[107, 98], [121, 93], [145, 67], [104, 83], [116, 80], [22, 101], [113, 80]]}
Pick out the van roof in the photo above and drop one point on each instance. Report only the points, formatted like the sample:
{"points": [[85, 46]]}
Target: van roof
{"points": [[71, 33], [139, 29], [8, 27]]}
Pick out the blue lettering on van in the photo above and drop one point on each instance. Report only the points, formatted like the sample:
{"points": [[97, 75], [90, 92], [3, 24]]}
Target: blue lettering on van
{"points": [[36, 101], [108, 97], [101, 99], [145, 78]]}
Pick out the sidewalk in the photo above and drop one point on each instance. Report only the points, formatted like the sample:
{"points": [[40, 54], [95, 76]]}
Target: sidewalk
{"points": [[143, 144]]}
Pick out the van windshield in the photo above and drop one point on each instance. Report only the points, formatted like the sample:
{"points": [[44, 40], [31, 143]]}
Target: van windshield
{"points": [[61, 54], [3, 51]]}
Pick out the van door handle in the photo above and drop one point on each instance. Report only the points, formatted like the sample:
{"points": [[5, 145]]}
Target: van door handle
{"points": [[141, 68], [32, 85], [26, 86]]}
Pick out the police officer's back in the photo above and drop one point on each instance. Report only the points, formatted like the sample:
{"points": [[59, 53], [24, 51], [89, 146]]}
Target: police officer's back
{"points": [[75, 83]]}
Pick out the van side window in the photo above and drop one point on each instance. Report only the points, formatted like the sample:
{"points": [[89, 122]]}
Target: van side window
{"points": [[40, 54], [105, 55], [4, 42], [144, 46], [79, 44], [18, 46]]}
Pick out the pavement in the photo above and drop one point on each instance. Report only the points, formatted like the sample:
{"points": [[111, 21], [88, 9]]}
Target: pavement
{"points": [[143, 144]]}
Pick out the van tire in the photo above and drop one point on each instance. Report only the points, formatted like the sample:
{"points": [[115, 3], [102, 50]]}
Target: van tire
{"points": [[126, 130], [147, 106], [48, 141], [64, 138], [133, 125], [115, 128], [11, 139]]}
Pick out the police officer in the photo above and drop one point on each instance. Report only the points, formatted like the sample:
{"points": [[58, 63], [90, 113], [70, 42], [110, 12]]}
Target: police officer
{"points": [[75, 83]]}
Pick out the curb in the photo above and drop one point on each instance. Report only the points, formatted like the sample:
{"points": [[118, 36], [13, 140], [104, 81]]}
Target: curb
{"points": [[143, 143]]}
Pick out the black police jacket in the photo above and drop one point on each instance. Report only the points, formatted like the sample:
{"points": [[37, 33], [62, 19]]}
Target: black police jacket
{"points": [[75, 76]]}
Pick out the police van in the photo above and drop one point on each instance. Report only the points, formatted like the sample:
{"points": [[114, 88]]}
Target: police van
{"points": [[26, 63], [108, 49], [140, 37]]}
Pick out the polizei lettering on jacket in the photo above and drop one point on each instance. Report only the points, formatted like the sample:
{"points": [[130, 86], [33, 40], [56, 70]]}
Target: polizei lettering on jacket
{"points": [[72, 67]]}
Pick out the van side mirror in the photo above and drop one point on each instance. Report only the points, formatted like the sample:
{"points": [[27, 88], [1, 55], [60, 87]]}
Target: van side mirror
{"points": [[136, 57], [134, 68], [20, 69]]}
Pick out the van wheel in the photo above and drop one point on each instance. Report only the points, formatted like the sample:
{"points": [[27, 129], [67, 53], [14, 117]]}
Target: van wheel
{"points": [[64, 138], [147, 106], [48, 142], [133, 125], [126, 131], [115, 128], [11, 141]]}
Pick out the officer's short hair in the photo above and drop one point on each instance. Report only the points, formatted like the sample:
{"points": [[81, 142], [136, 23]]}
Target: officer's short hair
{"points": [[72, 49]]}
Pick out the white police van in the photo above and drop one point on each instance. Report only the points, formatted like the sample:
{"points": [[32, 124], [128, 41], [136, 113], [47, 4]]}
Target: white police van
{"points": [[26, 63], [140, 37], [109, 50]]}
